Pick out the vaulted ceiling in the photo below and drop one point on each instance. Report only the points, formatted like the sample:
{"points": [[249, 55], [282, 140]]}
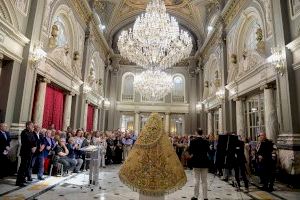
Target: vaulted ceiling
{"points": [[192, 15]]}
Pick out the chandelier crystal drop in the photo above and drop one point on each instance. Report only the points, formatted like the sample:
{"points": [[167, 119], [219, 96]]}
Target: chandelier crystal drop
{"points": [[153, 85], [155, 42]]}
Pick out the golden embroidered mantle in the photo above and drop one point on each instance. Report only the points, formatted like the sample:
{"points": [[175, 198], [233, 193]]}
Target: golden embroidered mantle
{"points": [[152, 167]]}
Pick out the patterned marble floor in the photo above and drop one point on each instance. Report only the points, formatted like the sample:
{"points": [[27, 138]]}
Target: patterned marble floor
{"points": [[74, 187]]}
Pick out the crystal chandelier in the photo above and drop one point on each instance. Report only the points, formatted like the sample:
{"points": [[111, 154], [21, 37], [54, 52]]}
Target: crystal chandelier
{"points": [[155, 42], [153, 85]]}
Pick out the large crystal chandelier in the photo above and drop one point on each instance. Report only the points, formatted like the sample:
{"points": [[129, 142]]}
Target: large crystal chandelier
{"points": [[155, 42], [153, 85]]}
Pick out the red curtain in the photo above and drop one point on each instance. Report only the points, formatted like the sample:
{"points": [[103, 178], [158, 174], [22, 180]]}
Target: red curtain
{"points": [[54, 108], [90, 118]]}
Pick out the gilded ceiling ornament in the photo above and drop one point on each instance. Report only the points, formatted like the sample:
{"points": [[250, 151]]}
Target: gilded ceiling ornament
{"points": [[233, 58], [206, 84], [259, 34], [99, 5], [140, 3], [76, 56]]}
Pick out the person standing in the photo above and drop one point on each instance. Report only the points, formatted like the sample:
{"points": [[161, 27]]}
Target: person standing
{"points": [[240, 167], [4, 149], [110, 151], [133, 137], [38, 155], [103, 146], [127, 142], [48, 154], [28, 147], [265, 162], [198, 151], [118, 149]]}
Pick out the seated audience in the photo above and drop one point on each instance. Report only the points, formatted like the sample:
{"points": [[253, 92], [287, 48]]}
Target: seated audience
{"points": [[72, 155], [61, 155]]}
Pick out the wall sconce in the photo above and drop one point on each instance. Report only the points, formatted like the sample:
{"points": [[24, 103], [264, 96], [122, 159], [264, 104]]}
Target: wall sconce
{"points": [[205, 104], [232, 91], [277, 59], [199, 106], [100, 100], [221, 94], [37, 53], [106, 104], [86, 88]]}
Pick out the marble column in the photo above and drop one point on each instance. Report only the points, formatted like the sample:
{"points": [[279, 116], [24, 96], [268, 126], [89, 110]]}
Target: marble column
{"points": [[104, 115], [67, 111], [85, 115], [288, 142], [209, 123], [95, 121], [40, 102], [26, 76], [221, 128], [100, 118], [137, 122], [114, 83], [271, 120], [240, 119], [167, 123]]}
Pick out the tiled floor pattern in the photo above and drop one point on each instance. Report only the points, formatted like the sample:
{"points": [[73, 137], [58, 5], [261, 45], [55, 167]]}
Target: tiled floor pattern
{"points": [[112, 189], [9, 191]]}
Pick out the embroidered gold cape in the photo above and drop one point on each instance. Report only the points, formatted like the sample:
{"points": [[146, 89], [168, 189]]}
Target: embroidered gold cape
{"points": [[152, 167]]}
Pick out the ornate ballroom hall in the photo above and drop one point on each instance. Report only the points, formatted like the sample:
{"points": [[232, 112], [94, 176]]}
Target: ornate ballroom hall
{"points": [[227, 67]]}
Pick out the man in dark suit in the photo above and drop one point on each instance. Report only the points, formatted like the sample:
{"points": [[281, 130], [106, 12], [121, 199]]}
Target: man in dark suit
{"points": [[4, 149], [38, 155], [27, 148], [198, 151], [240, 167], [264, 151]]}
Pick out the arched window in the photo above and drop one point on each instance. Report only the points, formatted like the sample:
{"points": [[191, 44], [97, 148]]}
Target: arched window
{"points": [[62, 39], [178, 92], [127, 87]]}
